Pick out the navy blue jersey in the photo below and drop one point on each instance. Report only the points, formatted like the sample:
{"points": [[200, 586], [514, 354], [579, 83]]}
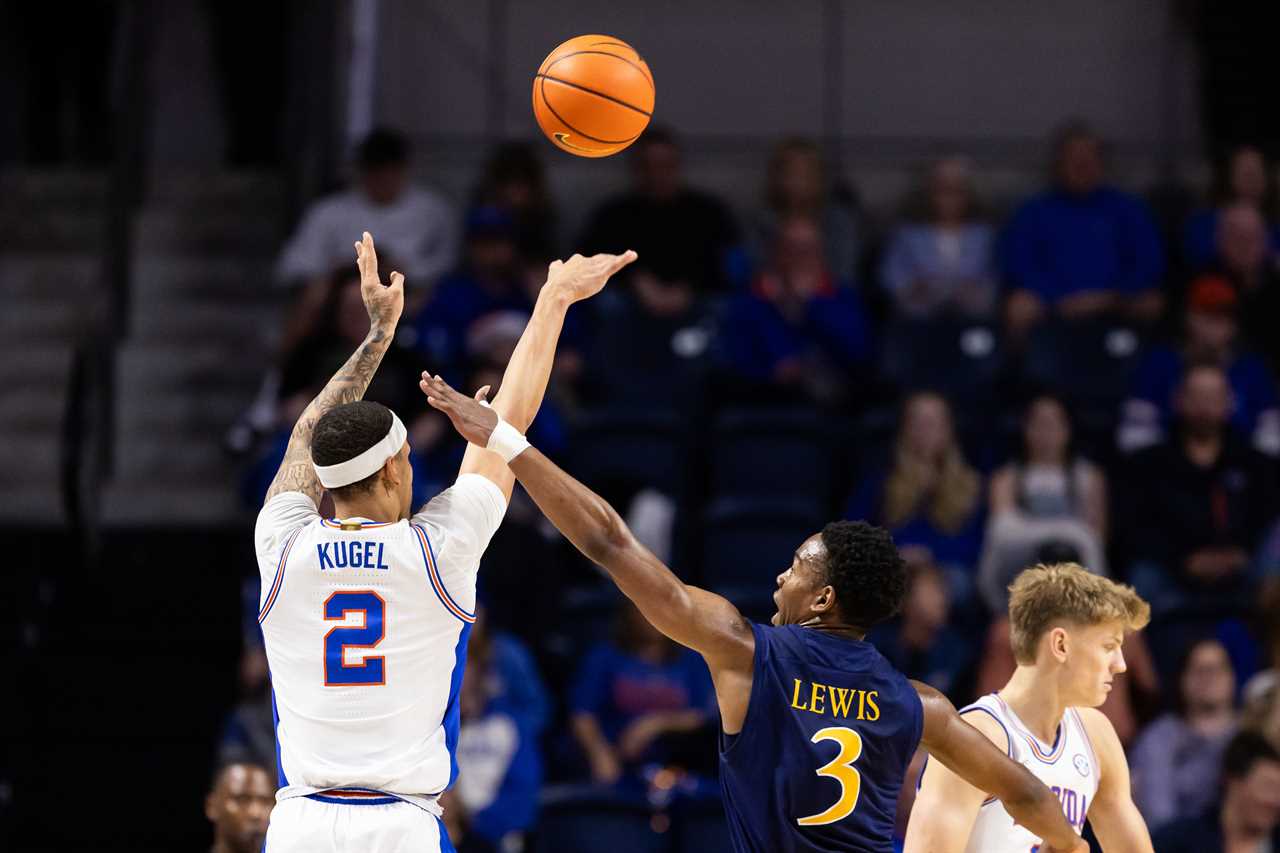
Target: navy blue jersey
{"points": [[830, 729]]}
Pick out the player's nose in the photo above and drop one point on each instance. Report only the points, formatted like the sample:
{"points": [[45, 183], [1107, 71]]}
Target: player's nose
{"points": [[1118, 665]]}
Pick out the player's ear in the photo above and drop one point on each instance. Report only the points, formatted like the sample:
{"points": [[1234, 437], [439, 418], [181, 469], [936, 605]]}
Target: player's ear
{"points": [[826, 598], [1059, 643]]}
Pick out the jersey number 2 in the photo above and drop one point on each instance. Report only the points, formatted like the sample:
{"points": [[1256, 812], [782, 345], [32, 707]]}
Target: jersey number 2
{"points": [[373, 610], [840, 769]]}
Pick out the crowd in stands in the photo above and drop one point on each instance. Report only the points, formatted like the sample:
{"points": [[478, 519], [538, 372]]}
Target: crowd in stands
{"points": [[1064, 380]]}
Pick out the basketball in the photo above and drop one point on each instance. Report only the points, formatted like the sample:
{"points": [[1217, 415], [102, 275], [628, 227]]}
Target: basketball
{"points": [[593, 95]]}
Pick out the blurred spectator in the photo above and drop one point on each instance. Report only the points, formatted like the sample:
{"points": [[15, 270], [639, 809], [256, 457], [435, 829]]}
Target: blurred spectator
{"points": [[1176, 753], [642, 700], [515, 182], [930, 498], [1048, 497], [1244, 258], [1193, 535], [414, 225], [1082, 249], [798, 186], [239, 806], [1242, 179], [1211, 336], [1246, 816], [504, 709], [679, 233], [493, 279], [343, 324], [249, 732], [942, 262], [796, 327], [919, 643], [647, 344]]}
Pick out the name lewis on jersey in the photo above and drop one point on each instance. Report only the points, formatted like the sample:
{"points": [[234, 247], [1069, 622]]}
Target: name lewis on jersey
{"points": [[828, 700], [351, 554]]}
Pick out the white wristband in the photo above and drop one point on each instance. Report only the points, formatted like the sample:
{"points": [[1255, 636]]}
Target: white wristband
{"points": [[507, 441]]}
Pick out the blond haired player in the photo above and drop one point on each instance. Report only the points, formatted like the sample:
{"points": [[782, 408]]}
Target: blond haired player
{"points": [[1067, 626]]}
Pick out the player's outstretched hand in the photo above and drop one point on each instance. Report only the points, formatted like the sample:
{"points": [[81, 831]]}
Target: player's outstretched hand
{"points": [[384, 303], [581, 278], [475, 422]]}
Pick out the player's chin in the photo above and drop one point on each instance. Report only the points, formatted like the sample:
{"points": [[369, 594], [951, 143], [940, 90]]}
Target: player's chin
{"points": [[776, 619]]}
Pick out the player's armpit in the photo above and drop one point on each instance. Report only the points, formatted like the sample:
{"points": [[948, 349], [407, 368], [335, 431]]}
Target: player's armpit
{"points": [[947, 806], [970, 755], [1113, 814]]}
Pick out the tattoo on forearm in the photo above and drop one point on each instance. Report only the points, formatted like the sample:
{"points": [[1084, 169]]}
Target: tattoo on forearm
{"points": [[346, 386]]}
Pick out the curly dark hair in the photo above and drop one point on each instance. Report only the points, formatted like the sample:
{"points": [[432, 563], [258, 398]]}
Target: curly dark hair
{"points": [[866, 570], [346, 431]]}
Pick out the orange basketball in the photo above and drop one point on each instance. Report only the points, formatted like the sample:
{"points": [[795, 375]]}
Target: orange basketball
{"points": [[593, 95]]}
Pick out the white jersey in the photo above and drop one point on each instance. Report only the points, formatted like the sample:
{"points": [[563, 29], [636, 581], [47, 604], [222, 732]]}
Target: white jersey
{"points": [[1068, 767], [366, 628]]}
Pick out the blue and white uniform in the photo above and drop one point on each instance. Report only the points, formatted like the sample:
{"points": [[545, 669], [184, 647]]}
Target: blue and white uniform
{"points": [[1068, 766], [366, 627]]}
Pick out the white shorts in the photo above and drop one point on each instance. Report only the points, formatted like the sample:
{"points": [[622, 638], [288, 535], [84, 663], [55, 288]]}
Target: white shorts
{"points": [[301, 824]]}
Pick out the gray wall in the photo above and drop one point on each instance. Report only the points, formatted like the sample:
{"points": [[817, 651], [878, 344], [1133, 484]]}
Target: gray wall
{"points": [[897, 81]]}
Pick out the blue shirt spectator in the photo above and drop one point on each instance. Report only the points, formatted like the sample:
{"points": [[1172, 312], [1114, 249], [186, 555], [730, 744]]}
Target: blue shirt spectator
{"points": [[630, 696], [1081, 249], [1242, 178], [795, 326], [504, 708], [944, 263], [1211, 336]]}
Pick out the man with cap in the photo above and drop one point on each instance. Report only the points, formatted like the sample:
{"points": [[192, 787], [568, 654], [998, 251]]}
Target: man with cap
{"points": [[1211, 337], [366, 615]]}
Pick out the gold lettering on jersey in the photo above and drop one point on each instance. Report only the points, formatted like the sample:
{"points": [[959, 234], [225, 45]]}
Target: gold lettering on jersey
{"points": [[831, 701], [795, 698], [817, 698]]}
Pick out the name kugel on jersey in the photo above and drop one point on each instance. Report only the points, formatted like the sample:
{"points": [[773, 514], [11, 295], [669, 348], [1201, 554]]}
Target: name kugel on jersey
{"points": [[351, 554], [829, 700]]}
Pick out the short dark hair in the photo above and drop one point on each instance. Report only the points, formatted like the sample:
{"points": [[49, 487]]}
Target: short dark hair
{"points": [[866, 570], [382, 147], [346, 431], [1244, 751]]}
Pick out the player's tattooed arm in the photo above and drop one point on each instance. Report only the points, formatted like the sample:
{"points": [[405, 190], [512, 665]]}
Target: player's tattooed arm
{"points": [[384, 304], [971, 756]]}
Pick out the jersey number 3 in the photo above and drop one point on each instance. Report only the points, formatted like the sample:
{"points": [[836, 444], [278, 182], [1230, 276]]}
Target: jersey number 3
{"points": [[373, 610], [840, 769]]}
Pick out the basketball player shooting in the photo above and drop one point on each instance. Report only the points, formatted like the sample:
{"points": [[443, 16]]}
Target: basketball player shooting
{"points": [[366, 616], [817, 728], [1067, 626]]}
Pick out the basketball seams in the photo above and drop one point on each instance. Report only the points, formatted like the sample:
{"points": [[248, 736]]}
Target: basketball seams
{"points": [[542, 90], [582, 88], [642, 68]]}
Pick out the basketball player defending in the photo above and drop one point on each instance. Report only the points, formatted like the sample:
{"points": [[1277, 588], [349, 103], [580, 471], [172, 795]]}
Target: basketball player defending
{"points": [[1067, 627], [817, 728], [366, 616]]}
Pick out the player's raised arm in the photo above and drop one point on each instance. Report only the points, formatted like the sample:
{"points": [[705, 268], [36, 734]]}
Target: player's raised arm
{"points": [[1113, 814], [384, 304], [975, 759], [693, 617], [525, 380]]}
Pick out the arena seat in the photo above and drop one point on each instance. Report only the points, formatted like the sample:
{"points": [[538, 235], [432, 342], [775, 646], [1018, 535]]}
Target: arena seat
{"points": [[762, 453], [748, 542], [587, 819]]}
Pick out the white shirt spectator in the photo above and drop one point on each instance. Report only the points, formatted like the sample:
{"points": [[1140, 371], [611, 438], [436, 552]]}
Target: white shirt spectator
{"points": [[418, 232]]}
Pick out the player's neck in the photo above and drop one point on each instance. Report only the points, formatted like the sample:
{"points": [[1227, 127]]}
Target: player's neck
{"points": [[1036, 698], [373, 508]]}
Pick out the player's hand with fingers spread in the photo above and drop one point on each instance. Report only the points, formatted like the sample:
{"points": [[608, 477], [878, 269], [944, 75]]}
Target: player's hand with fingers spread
{"points": [[581, 278], [474, 421], [384, 303]]}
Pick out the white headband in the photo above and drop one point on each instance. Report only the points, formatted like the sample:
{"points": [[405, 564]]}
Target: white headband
{"points": [[356, 469]]}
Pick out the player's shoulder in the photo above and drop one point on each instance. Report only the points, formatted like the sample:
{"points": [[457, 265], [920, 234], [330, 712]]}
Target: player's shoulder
{"points": [[985, 716]]}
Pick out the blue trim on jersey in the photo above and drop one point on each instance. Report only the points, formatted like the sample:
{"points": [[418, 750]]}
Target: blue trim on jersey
{"points": [[278, 581], [453, 711], [1007, 737], [433, 572], [275, 730], [446, 844], [372, 801]]}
